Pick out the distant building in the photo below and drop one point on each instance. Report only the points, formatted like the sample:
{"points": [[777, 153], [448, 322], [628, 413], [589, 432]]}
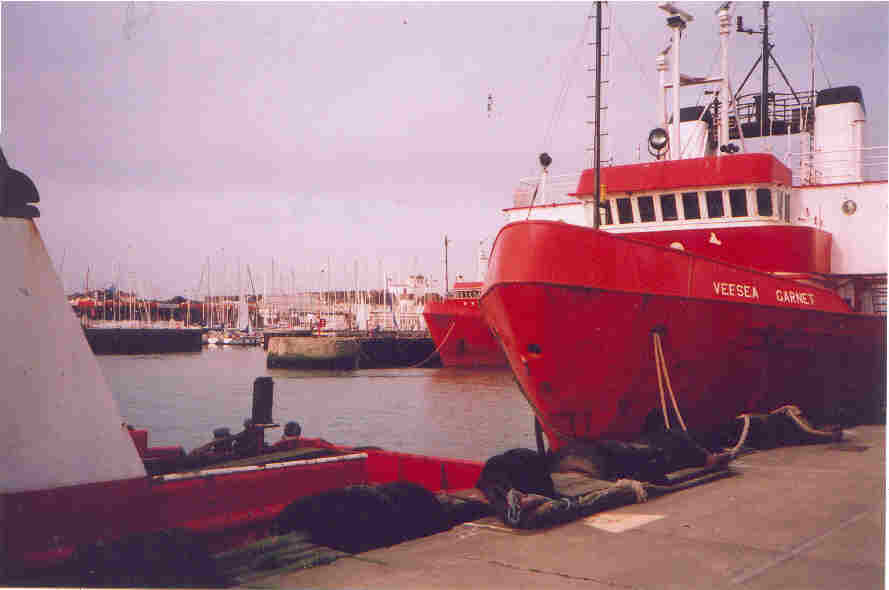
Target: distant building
{"points": [[416, 287]]}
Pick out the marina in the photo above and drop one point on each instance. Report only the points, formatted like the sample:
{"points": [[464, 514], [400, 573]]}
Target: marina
{"points": [[668, 373]]}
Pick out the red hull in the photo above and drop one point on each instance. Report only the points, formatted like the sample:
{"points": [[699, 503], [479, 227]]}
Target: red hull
{"points": [[42, 528], [575, 310], [470, 342]]}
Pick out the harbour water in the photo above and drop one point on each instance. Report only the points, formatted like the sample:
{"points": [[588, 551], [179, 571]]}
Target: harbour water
{"points": [[463, 413]]}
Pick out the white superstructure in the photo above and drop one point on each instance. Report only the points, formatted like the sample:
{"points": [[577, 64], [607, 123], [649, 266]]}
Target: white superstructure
{"points": [[839, 187]]}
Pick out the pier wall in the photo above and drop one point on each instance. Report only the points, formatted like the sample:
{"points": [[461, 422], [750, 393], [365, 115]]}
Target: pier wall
{"points": [[312, 352], [392, 351], [142, 341], [348, 352]]}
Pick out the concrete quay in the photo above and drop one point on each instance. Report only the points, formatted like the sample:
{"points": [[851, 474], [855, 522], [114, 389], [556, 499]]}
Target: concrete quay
{"points": [[790, 518], [349, 350]]}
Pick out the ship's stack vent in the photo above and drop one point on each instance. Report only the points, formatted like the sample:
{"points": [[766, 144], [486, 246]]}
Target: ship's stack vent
{"points": [[839, 136]]}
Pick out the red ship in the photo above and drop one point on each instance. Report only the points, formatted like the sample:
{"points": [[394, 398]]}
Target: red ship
{"points": [[461, 336], [706, 286]]}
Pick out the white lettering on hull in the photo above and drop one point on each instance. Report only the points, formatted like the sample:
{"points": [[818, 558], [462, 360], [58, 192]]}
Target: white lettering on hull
{"points": [[735, 290], [795, 297]]}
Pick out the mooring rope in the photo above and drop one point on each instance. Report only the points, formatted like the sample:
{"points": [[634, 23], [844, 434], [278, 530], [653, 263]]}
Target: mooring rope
{"points": [[437, 348], [795, 414], [664, 376], [743, 438], [792, 412], [637, 486]]}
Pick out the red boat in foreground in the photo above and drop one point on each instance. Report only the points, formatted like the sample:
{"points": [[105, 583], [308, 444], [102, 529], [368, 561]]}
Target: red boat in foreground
{"points": [[75, 475], [705, 284], [461, 336]]}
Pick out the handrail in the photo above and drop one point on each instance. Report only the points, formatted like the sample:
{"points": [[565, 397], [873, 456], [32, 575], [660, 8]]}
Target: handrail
{"points": [[837, 166]]}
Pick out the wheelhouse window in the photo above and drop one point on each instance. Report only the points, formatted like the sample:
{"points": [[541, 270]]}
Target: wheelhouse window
{"points": [[668, 207], [646, 208], [714, 204], [787, 207], [691, 206], [764, 202], [624, 210], [737, 198], [605, 217]]}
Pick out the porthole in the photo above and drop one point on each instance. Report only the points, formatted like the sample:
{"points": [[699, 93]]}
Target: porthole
{"points": [[849, 207]]}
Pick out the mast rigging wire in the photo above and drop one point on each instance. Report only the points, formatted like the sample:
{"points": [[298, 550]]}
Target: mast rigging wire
{"points": [[812, 39], [647, 83], [567, 79]]}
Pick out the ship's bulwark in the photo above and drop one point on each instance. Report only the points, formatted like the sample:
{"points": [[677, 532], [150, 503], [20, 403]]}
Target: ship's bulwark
{"points": [[575, 310]]}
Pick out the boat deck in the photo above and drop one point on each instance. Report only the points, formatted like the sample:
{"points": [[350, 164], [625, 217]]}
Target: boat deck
{"points": [[794, 517]]}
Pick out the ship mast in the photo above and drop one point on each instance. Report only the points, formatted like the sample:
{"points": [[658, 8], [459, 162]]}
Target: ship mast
{"points": [[764, 94], [446, 265], [597, 140]]}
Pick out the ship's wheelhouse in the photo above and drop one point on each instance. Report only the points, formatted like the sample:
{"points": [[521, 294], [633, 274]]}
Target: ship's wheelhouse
{"points": [[740, 189], [467, 290], [735, 208], [686, 207]]}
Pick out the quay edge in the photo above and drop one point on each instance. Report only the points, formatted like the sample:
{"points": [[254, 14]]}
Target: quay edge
{"points": [[796, 517], [349, 351]]}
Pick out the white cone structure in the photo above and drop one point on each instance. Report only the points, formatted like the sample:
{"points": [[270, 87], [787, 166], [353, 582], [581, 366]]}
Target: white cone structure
{"points": [[60, 424]]}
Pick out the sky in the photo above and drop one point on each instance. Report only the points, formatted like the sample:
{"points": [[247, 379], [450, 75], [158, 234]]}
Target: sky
{"points": [[323, 138]]}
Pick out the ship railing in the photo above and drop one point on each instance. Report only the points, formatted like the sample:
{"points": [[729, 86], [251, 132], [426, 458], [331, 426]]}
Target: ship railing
{"points": [[786, 113], [555, 191], [839, 166], [878, 298]]}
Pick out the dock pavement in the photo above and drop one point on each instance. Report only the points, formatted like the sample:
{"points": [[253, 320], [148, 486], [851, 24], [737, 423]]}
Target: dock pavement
{"points": [[805, 517]]}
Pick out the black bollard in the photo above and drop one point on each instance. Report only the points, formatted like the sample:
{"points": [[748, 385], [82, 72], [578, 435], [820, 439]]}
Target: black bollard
{"points": [[263, 395]]}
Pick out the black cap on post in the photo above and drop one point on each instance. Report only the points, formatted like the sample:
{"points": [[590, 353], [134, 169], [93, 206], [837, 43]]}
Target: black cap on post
{"points": [[16, 191]]}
